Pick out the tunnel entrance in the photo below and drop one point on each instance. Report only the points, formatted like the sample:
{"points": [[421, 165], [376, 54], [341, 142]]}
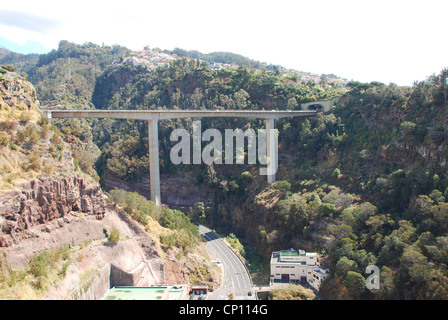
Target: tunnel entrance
{"points": [[315, 107]]}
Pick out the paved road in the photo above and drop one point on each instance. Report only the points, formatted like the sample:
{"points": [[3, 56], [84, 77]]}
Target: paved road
{"points": [[236, 277]]}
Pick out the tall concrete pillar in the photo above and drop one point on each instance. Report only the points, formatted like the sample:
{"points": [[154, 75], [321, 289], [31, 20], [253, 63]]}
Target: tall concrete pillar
{"points": [[154, 170], [271, 150]]}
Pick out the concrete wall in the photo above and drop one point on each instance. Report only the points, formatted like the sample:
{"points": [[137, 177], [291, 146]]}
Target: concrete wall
{"points": [[326, 105]]}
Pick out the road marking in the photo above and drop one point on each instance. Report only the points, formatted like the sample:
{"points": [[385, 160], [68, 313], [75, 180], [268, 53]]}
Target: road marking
{"points": [[222, 249]]}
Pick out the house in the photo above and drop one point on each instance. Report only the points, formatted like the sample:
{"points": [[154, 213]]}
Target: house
{"points": [[296, 266], [198, 290], [319, 274]]}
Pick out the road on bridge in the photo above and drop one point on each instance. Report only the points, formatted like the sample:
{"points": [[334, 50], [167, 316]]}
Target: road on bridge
{"points": [[236, 278]]}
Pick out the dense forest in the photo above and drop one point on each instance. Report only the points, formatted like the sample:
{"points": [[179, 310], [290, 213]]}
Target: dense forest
{"points": [[365, 183]]}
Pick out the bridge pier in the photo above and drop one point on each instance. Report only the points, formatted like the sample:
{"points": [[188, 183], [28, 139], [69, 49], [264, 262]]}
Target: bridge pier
{"points": [[271, 153], [154, 170]]}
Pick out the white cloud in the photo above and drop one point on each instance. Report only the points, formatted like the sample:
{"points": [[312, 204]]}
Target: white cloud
{"points": [[398, 41]]}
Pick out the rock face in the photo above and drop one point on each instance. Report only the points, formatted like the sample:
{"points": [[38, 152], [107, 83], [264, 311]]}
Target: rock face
{"points": [[58, 210], [46, 199], [176, 191], [18, 94]]}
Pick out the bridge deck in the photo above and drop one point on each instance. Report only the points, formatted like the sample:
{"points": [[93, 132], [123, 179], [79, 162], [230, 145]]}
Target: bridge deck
{"points": [[175, 114]]}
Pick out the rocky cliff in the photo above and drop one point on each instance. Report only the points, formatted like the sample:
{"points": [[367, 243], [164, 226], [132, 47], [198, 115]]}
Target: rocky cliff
{"points": [[177, 192], [46, 205], [51, 212], [18, 94], [43, 200]]}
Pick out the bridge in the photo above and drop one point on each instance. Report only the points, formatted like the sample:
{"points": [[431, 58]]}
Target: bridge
{"points": [[153, 117], [321, 106]]}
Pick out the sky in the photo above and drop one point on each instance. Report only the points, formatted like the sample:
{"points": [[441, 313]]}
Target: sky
{"points": [[388, 41]]}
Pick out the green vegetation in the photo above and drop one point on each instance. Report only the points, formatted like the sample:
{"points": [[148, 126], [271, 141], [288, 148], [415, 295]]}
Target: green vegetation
{"points": [[43, 270], [366, 183], [362, 186], [184, 235], [236, 245], [114, 235], [291, 292]]}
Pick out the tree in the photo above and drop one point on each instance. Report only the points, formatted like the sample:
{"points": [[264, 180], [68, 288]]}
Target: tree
{"points": [[422, 205], [198, 212], [298, 217], [341, 231], [292, 104], [376, 223], [437, 196], [355, 283], [327, 209], [440, 214], [438, 287], [387, 286], [440, 82], [345, 265], [283, 186], [415, 265], [407, 128], [246, 176]]}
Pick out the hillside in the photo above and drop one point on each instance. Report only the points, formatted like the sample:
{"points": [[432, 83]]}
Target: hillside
{"points": [[365, 183], [61, 237]]}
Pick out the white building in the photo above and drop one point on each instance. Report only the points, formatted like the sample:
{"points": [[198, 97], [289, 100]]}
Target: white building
{"points": [[319, 274], [292, 265]]}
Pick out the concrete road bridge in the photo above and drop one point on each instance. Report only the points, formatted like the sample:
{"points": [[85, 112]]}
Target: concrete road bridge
{"points": [[153, 117]]}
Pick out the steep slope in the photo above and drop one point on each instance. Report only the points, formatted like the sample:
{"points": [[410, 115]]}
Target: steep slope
{"points": [[47, 208], [365, 184]]}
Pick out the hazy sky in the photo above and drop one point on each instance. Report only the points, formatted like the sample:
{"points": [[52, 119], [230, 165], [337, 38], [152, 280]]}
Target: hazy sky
{"points": [[389, 41]]}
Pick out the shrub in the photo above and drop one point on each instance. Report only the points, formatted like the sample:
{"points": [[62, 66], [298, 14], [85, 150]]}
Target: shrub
{"points": [[4, 139], [34, 137], [283, 186], [26, 116], [407, 128], [35, 163], [291, 292], [327, 209], [22, 136], [246, 176], [44, 263], [114, 235]]}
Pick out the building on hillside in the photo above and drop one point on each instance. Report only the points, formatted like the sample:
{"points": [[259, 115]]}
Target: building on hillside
{"points": [[198, 292], [156, 292], [319, 273], [297, 266]]}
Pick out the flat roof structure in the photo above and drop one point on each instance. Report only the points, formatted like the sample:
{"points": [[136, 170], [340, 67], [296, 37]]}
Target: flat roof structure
{"points": [[146, 293]]}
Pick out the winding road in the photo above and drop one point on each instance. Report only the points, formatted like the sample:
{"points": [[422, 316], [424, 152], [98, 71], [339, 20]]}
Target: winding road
{"points": [[236, 278]]}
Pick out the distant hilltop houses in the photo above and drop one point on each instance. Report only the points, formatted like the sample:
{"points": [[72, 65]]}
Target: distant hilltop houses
{"points": [[151, 59], [154, 58], [218, 66]]}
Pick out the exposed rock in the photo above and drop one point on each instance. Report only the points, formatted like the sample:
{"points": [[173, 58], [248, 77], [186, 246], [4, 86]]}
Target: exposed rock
{"points": [[19, 94], [46, 199], [175, 191]]}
